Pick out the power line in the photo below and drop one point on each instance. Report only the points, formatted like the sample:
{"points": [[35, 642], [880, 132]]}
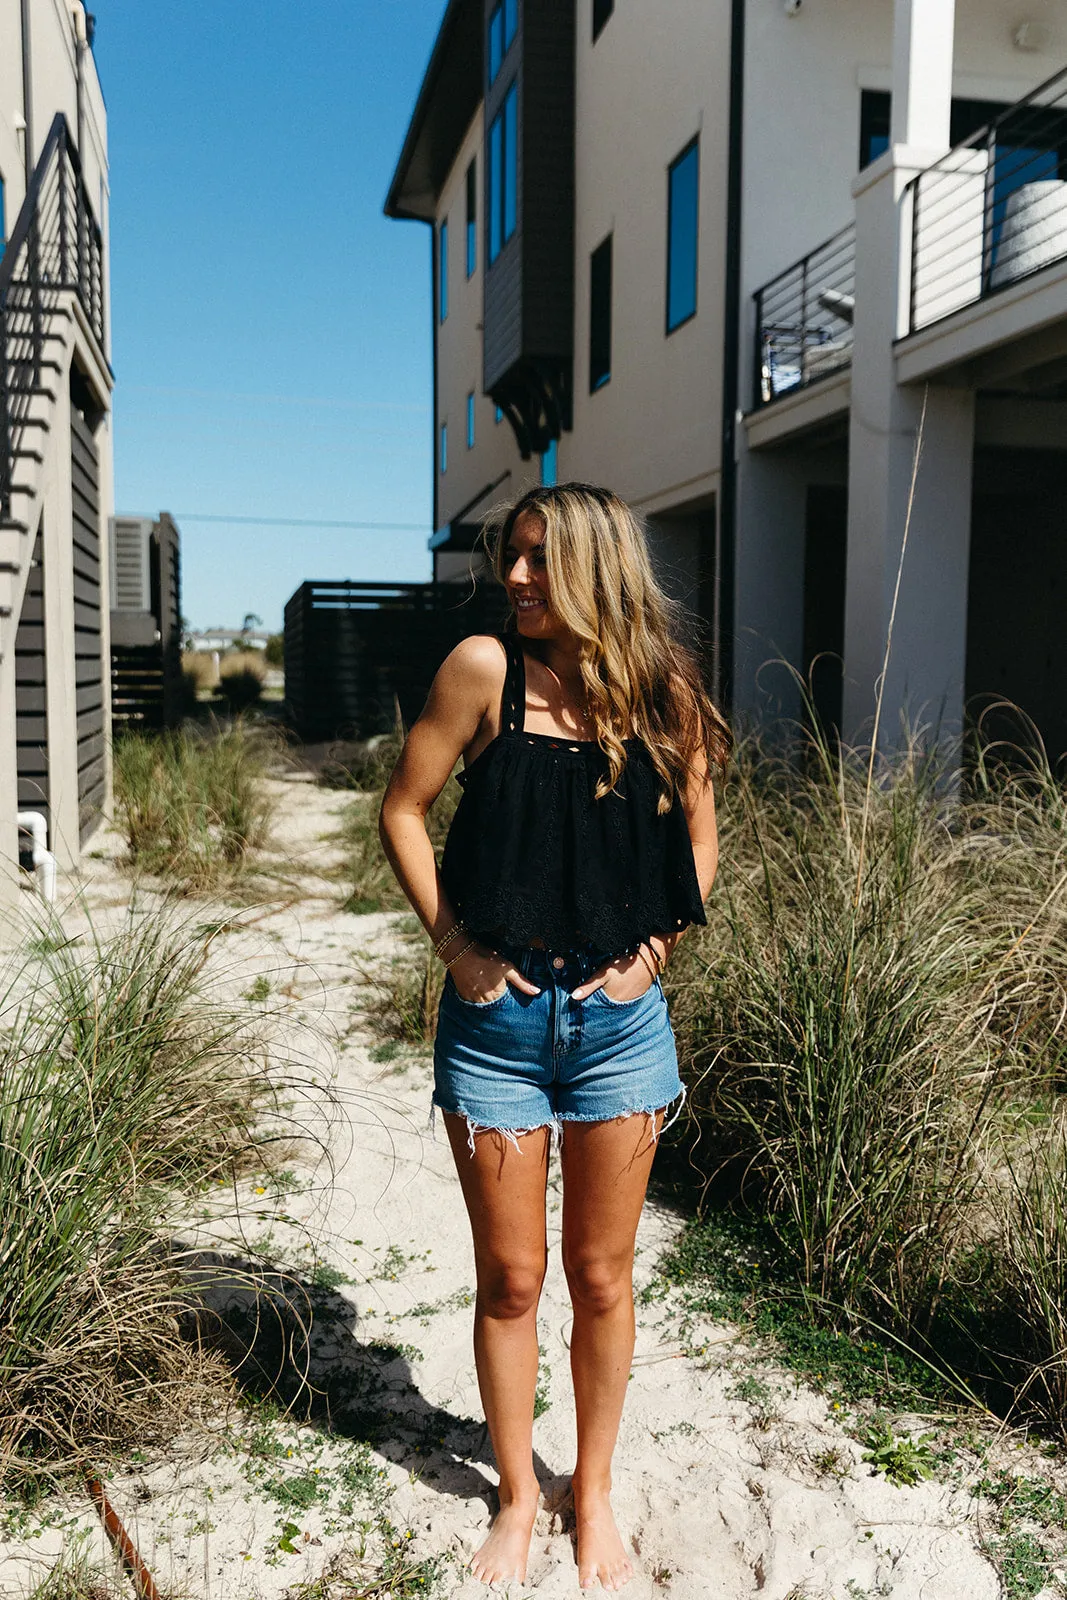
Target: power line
{"points": [[301, 522]]}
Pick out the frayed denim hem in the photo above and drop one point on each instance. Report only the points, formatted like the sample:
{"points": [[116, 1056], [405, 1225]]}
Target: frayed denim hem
{"points": [[651, 1112], [555, 1124], [512, 1135]]}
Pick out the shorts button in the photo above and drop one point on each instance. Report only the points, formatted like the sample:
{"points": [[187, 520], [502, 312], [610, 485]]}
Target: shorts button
{"points": [[557, 962]]}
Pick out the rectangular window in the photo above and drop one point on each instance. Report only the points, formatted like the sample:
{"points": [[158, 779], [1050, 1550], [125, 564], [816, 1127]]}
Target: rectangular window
{"points": [[602, 10], [511, 22], [549, 465], [511, 160], [503, 173], [495, 52], [499, 415], [472, 218], [444, 447], [682, 232], [600, 315], [442, 272], [470, 420]]}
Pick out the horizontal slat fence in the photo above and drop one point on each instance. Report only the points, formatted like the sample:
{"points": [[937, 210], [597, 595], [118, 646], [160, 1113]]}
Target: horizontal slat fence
{"points": [[353, 651]]}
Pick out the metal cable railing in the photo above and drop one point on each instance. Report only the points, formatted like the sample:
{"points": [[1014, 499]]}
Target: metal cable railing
{"points": [[55, 246], [993, 210], [804, 320]]}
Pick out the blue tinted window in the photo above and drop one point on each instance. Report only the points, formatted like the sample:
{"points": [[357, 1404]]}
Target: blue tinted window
{"points": [[511, 159], [549, 465], [470, 421], [442, 272], [444, 447], [496, 168], [496, 42], [682, 219], [503, 173], [499, 416], [600, 315], [472, 218], [511, 22]]}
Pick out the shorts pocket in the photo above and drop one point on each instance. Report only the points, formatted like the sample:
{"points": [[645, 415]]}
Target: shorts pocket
{"points": [[602, 995], [475, 1005]]}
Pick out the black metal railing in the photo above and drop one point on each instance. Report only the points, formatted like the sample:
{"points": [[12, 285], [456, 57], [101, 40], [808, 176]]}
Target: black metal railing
{"points": [[804, 320], [55, 247], [994, 209]]}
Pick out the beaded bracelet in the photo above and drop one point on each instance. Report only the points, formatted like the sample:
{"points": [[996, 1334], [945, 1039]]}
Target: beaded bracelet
{"points": [[446, 938], [460, 953]]}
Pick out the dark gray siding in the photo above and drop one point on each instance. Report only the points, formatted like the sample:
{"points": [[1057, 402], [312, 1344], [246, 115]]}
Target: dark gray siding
{"points": [[88, 662], [546, 113], [31, 705]]}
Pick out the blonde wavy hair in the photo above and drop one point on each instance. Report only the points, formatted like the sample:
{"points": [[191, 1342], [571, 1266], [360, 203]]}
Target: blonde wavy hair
{"points": [[640, 679]]}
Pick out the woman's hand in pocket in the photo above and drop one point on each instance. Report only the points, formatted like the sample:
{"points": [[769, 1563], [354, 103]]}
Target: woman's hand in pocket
{"points": [[625, 978], [481, 976]]}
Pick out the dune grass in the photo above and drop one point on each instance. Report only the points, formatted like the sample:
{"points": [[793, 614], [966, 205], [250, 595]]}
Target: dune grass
{"points": [[192, 806], [125, 1083]]}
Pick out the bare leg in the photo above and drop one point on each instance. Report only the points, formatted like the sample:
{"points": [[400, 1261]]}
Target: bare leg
{"points": [[504, 1189], [605, 1174]]}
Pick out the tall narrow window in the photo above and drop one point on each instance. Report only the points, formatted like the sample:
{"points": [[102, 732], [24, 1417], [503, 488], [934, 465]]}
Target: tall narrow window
{"points": [[470, 420], [682, 232], [3, 217], [442, 272], [498, 415], [444, 447], [602, 10], [600, 315], [495, 52], [511, 22], [550, 465], [503, 173], [472, 218]]}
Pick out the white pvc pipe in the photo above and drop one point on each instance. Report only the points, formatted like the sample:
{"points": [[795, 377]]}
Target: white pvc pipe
{"points": [[44, 862]]}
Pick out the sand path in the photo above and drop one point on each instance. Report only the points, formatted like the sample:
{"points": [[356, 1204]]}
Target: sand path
{"points": [[718, 1495]]}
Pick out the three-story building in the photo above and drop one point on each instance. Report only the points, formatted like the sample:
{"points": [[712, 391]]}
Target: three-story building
{"points": [[732, 258]]}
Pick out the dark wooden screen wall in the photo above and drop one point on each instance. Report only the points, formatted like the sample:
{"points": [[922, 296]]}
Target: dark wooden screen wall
{"points": [[31, 706], [88, 661]]}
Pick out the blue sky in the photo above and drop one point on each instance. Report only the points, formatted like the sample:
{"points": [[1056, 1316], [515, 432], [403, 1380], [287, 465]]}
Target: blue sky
{"points": [[271, 328]]}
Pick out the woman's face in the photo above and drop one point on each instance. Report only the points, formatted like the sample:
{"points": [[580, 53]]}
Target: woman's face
{"points": [[526, 578]]}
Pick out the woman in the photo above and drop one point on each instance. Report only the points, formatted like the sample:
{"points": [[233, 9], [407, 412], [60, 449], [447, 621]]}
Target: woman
{"points": [[582, 847]]}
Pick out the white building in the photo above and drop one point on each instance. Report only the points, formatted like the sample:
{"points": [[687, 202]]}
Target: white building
{"points": [[719, 254], [56, 476]]}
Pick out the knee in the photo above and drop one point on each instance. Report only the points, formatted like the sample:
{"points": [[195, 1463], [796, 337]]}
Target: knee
{"points": [[597, 1283], [508, 1289]]}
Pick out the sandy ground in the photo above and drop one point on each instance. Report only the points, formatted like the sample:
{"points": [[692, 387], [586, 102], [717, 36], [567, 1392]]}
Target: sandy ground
{"points": [[717, 1494]]}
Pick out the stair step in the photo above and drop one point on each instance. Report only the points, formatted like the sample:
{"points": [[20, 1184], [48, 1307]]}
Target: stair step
{"points": [[28, 455], [11, 526]]}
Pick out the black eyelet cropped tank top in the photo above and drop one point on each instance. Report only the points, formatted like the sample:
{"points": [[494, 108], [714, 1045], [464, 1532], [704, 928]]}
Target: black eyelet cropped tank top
{"points": [[533, 854]]}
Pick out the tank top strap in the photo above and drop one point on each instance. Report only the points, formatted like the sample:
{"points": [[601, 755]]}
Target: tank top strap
{"points": [[513, 700]]}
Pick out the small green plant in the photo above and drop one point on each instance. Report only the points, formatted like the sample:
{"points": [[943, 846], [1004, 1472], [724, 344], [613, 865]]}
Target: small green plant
{"points": [[903, 1461], [542, 1400], [260, 990], [192, 806]]}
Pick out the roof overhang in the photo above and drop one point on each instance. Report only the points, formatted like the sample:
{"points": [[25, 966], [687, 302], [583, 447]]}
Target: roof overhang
{"points": [[449, 97]]}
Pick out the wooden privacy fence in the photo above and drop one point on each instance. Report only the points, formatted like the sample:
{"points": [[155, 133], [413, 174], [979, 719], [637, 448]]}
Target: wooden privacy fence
{"points": [[355, 650]]}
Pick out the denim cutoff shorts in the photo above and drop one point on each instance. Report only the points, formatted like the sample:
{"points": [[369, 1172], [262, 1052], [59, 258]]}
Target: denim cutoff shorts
{"points": [[524, 1061]]}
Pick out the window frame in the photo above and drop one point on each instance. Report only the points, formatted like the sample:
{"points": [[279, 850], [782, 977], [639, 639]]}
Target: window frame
{"points": [[442, 272], [603, 11], [687, 150], [606, 244], [502, 175], [472, 217]]}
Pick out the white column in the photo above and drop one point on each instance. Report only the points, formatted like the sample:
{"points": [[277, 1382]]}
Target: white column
{"points": [[925, 677], [922, 72]]}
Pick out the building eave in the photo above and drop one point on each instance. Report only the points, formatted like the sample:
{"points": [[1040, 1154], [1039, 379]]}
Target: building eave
{"points": [[448, 99]]}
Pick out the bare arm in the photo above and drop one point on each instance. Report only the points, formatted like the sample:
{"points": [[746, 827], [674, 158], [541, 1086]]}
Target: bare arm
{"points": [[467, 684]]}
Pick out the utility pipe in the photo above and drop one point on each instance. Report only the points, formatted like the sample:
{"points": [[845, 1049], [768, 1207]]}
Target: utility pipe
{"points": [[44, 862]]}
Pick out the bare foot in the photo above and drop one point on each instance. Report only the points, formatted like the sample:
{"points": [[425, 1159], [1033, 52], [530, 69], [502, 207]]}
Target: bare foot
{"points": [[601, 1557], [505, 1552]]}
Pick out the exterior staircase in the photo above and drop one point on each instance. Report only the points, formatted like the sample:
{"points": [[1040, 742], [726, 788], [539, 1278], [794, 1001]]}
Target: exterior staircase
{"points": [[51, 272]]}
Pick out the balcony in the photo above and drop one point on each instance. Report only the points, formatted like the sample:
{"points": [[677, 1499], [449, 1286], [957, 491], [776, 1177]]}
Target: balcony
{"points": [[804, 320]]}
